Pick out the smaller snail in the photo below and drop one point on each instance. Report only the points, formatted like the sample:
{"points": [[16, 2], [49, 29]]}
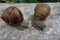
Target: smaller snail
{"points": [[12, 15], [42, 11]]}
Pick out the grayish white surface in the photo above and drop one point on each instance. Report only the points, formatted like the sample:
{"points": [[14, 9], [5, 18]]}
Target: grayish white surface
{"points": [[51, 32]]}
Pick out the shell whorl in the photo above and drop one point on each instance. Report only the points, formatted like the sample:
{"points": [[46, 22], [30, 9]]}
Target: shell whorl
{"points": [[42, 11], [12, 15]]}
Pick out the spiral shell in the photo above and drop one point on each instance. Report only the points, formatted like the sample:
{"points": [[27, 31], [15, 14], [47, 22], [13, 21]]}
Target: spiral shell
{"points": [[42, 11], [12, 15]]}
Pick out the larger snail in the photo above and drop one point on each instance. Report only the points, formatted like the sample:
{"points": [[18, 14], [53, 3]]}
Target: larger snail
{"points": [[41, 11], [12, 15]]}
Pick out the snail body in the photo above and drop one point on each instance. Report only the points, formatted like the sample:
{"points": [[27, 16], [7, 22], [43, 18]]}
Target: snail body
{"points": [[38, 24], [42, 11], [12, 15]]}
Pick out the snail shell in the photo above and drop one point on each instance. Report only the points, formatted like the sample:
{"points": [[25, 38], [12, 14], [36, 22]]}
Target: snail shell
{"points": [[42, 11], [12, 15]]}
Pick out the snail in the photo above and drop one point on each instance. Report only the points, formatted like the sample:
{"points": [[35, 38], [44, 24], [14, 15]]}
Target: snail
{"points": [[42, 11], [12, 15]]}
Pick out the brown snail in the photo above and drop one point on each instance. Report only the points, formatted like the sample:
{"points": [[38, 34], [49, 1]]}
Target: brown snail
{"points": [[12, 15], [42, 11]]}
